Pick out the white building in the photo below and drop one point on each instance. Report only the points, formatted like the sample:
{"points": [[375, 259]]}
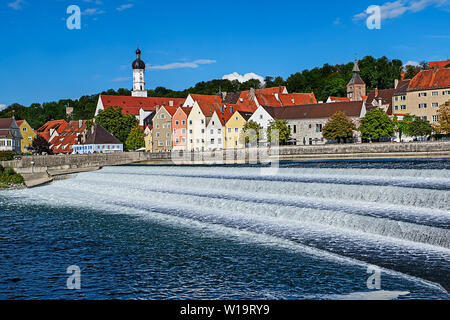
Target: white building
{"points": [[98, 140], [263, 116], [139, 76], [215, 133], [10, 136]]}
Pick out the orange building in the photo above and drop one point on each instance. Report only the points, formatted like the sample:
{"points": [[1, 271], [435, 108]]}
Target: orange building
{"points": [[179, 125]]}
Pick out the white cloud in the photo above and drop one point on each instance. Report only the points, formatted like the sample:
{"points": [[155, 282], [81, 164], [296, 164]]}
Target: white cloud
{"points": [[121, 79], [412, 63], [243, 78], [92, 12], [97, 2], [182, 65], [16, 5], [3, 107], [395, 9], [337, 21], [124, 7]]}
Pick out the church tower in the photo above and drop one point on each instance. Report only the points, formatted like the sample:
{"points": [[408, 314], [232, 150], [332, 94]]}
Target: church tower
{"points": [[356, 88], [139, 76]]}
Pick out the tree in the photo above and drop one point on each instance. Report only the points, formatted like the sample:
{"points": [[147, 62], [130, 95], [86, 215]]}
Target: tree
{"points": [[376, 125], [402, 127], [251, 133], [136, 139], [281, 126], [443, 113], [115, 122], [41, 146], [339, 128], [419, 128]]}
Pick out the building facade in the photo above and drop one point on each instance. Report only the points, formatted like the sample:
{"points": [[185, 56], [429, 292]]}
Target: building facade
{"points": [[356, 88], [28, 135], [98, 140], [10, 137], [162, 129], [234, 130], [179, 125], [215, 133]]}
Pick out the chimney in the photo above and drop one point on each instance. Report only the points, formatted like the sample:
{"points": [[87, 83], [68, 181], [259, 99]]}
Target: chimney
{"points": [[80, 123], [170, 103], [376, 92], [396, 84]]}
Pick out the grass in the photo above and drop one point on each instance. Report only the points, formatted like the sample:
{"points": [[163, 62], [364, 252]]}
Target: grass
{"points": [[9, 177]]}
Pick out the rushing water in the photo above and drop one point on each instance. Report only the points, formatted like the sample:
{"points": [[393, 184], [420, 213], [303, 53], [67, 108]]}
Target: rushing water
{"points": [[308, 232]]}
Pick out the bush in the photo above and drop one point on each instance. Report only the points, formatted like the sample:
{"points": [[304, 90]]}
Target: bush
{"points": [[16, 179], [7, 155], [9, 172], [1, 169]]}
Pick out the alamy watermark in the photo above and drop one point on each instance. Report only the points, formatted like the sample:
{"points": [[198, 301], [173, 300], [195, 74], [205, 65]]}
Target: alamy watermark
{"points": [[374, 280], [373, 20], [74, 280], [73, 22]]}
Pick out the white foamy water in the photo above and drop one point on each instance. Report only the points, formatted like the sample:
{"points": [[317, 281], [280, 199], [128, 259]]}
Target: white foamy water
{"points": [[398, 219]]}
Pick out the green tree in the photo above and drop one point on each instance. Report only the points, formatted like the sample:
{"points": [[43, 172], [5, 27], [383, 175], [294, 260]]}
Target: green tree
{"points": [[115, 122], [135, 139], [339, 127], [281, 126], [443, 125], [402, 127], [420, 128], [250, 134], [376, 125]]}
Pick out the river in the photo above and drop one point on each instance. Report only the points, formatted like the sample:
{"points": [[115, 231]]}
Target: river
{"points": [[310, 231]]}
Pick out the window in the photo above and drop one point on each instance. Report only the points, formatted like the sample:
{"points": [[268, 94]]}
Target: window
{"points": [[219, 131], [435, 118], [167, 142], [167, 135], [236, 130], [213, 123], [160, 143], [176, 122], [403, 107], [183, 122], [422, 105], [295, 129], [183, 140], [396, 98], [212, 141], [157, 126], [164, 126], [183, 131], [435, 104], [237, 118], [219, 140], [190, 131], [422, 94], [435, 93], [212, 131], [396, 107], [403, 98], [174, 131], [202, 121], [203, 130], [447, 92], [190, 122], [229, 130], [162, 116], [261, 116], [24, 129], [157, 134], [310, 126], [318, 127]]}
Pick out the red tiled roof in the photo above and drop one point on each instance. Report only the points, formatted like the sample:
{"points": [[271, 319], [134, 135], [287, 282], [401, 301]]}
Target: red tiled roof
{"points": [[296, 99], [268, 100], [316, 111], [132, 105], [64, 144], [438, 64], [58, 125], [19, 122], [45, 135], [206, 98], [430, 79], [171, 110], [341, 99]]}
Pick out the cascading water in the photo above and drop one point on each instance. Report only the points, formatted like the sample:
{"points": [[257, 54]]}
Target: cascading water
{"points": [[396, 219]]}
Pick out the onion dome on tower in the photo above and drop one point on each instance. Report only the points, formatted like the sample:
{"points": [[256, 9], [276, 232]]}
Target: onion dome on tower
{"points": [[138, 63]]}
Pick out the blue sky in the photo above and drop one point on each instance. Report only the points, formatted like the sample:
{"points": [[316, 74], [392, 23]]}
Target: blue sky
{"points": [[184, 42]]}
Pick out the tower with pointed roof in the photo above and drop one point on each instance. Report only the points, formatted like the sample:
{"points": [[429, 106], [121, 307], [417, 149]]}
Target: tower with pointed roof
{"points": [[356, 88], [139, 76]]}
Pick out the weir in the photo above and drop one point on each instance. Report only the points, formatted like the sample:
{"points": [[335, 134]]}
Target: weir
{"points": [[37, 170]]}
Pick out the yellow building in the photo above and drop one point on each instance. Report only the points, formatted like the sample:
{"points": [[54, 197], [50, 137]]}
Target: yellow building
{"points": [[148, 139], [28, 135], [234, 128]]}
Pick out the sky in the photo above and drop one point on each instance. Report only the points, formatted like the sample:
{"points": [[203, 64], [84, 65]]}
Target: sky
{"points": [[184, 42]]}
